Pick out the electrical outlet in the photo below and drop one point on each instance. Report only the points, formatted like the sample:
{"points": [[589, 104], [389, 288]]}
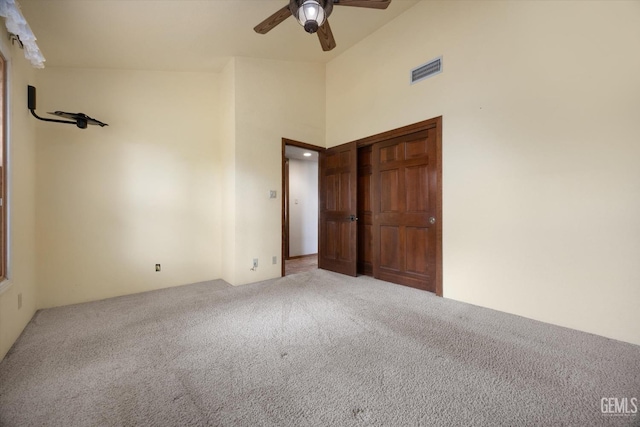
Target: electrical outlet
{"points": [[274, 260], [19, 300], [158, 268]]}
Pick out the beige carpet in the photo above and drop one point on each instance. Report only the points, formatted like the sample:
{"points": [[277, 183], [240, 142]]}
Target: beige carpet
{"points": [[313, 349]]}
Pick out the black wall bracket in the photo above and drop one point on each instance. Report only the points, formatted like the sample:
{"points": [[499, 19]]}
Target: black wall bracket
{"points": [[79, 119]]}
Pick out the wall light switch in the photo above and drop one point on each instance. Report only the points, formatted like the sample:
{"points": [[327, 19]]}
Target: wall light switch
{"points": [[158, 267], [273, 194], [274, 260]]}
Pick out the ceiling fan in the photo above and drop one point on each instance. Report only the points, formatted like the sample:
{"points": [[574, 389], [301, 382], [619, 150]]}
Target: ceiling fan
{"points": [[313, 14]]}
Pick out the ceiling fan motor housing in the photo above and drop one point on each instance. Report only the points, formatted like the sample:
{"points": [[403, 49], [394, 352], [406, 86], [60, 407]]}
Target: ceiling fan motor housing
{"points": [[311, 13]]}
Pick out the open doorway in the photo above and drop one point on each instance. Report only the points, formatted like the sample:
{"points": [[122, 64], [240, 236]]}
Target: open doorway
{"points": [[299, 206]]}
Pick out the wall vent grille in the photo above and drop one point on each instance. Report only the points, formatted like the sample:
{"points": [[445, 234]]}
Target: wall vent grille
{"points": [[427, 70]]}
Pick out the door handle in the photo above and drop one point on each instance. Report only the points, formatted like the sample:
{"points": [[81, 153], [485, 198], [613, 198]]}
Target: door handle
{"points": [[432, 220], [352, 218]]}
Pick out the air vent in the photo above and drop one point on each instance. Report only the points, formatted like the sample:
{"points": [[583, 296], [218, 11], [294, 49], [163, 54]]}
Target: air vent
{"points": [[427, 70]]}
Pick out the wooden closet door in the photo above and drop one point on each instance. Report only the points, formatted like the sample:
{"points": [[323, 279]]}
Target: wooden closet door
{"points": [[365, 211], [338, 209], [405, 181]]}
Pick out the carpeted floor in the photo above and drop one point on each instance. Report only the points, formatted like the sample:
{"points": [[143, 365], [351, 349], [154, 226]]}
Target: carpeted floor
{"points": [[310, 349]]}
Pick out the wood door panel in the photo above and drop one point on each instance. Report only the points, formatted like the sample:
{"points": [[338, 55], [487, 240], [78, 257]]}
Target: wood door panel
{"points": [[365, 243], [345, 159], [365, 212], [344, 242], [390, 248], [344, 183], [417, 188], [331, 247], [332, 192], [338, 191], [417, 243], [406, 279], [364, 194], [389, 193], [415, 148], [364, 157], [403, 239], [390, 153], [332, 160]]}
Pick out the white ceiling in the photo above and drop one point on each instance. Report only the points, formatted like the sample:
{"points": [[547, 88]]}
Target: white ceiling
{"points": [[185, 35], [293, 152]]}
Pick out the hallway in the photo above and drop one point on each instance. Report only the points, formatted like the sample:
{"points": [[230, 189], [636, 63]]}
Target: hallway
{"points": [[301, 264]]}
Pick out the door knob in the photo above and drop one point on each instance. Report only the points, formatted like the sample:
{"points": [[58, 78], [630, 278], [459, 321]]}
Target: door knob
{"points": [[353, 218], [432, 220]]}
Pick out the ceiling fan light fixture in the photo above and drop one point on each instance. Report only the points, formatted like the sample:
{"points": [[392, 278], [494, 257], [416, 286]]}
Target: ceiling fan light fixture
{"points": [[311, 15]]}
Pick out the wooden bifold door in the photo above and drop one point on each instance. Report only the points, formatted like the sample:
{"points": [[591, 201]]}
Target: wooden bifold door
{"points": [[381, 207]]}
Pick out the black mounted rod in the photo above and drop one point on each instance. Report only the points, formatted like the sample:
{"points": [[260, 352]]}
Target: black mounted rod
{"points": [[31, 97], [50, 120], [31, 100]]}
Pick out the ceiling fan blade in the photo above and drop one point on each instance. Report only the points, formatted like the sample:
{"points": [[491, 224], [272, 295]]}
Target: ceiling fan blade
{"points": [[325, 35], [372, 4], [268, 24]]}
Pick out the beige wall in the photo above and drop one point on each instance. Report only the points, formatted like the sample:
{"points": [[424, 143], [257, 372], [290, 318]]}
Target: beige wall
{"points": [[228, 168], [274, 99], [112, 202], [184, 153], [22, 203], [540, 104]]}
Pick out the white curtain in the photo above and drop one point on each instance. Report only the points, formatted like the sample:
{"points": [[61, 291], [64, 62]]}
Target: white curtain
{"points": [[16, 24]]}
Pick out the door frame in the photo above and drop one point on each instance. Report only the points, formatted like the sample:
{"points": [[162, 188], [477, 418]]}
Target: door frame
{"points": [[436, 123], [285, 195]]}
